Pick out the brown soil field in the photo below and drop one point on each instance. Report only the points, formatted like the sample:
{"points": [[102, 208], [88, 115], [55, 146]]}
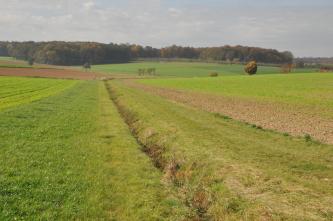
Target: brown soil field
{"points": [[291, 119], [52, 73]]}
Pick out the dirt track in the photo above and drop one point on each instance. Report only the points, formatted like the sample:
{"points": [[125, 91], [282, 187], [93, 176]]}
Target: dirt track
{"points": [[51, 73], [296, 121]]}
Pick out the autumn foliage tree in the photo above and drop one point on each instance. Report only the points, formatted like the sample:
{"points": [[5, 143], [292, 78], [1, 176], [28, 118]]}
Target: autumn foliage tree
{"points": [[251, 68]]}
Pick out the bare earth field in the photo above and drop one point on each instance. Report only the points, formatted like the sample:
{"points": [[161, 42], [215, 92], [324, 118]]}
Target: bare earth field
{"points": [[297, 121], [51, 73]]}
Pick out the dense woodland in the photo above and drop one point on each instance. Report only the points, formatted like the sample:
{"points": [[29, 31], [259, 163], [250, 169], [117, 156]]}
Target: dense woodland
{"points": [[78, 53]]}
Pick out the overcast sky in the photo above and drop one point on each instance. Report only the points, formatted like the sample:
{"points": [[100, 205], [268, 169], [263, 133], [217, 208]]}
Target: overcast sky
{"points": [[304, 27]]}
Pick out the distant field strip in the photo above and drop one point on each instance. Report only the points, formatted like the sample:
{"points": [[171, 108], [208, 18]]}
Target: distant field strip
{"points": [[302, 89], [179, 69], [16, 91], [228, 170], [51, 73], [298, 104]]}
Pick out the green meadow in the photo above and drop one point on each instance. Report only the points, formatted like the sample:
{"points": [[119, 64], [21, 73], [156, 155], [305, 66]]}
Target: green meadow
{"points": [[302, 89], [105, 150], [15, 91], [228, 170], [69, 156], [184, 69]]}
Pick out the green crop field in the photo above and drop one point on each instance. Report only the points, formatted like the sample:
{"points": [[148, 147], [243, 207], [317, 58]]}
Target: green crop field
{"points": [[15, 91], [184, 69], [70, 156], [302, 89]]}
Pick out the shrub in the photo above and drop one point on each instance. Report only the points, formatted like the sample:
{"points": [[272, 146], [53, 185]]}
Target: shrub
{"points": [[87, 66], [287, 68], [214, 74], [251, 68], [307, 138], [31, 61]]}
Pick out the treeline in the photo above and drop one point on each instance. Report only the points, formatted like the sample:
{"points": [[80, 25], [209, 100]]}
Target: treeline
{"points": [[67, 53], [78, 53], [315, 60]]}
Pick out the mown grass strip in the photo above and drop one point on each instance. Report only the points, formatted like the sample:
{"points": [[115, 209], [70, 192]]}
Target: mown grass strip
{"points": [[227, 170]]}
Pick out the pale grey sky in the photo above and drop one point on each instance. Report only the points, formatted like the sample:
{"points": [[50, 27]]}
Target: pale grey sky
{"points": [[301, 26]]}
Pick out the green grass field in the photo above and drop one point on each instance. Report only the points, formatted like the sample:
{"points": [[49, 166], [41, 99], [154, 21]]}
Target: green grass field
{"points": [[230, 170], [105, 150], [183, 69], [69, 156], [15, 91], [301, 89]]}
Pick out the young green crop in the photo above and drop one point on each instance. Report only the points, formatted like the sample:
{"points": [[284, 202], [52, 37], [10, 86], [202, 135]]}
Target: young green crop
{"points": [[16, 91], [71, 157]]}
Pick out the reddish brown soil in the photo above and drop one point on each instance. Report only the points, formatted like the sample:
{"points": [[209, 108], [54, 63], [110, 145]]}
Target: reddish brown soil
{"points": [[52, 73], [291, 119]]}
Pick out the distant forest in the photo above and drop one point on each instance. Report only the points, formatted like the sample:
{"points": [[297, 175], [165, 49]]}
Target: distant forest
{"points": [[78, 53]]}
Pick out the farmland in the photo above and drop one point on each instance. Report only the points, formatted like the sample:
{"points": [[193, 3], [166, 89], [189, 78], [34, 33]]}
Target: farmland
{"points": [[228, 169], [16, 91], [184, 69], [300, 89], [287, 103], [166, 110], [180, 148], [70, 156]]}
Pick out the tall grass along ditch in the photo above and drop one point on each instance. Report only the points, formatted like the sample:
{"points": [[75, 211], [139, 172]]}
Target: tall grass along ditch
{"points": [[198, 198]]}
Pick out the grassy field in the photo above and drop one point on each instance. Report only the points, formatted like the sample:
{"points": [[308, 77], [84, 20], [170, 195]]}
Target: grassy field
{"points": [[301, 89], [107, 150], [183, 69], [229, 170], [70, 156], [15, 91]]}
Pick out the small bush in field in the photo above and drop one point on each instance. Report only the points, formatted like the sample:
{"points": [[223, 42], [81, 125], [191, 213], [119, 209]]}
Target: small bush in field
{"points": [[214, 74], [307, 138], [251, 68]]}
